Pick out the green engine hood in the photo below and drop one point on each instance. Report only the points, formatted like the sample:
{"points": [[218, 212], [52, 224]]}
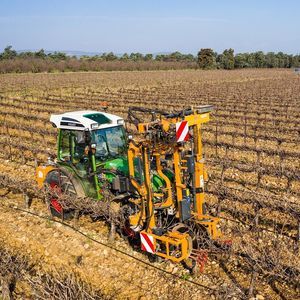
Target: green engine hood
{"points": [[120, 165]]}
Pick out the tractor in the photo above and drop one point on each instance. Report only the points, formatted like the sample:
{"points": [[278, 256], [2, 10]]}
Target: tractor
{"points": [[152, 166]]}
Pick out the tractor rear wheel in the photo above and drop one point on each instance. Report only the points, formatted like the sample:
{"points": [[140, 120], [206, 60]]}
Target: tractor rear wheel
{"points": [[59, 184]]}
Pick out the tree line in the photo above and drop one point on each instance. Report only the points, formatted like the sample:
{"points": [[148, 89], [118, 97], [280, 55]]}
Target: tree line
{"points": [[208, 59], [40, 61]]}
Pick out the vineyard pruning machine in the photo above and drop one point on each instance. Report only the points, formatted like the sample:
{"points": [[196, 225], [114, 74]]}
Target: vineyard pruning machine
{"points": [[157, 178]]}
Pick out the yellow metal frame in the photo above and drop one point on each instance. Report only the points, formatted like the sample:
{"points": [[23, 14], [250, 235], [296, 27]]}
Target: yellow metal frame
{"points": [[169, 200], [178, 241], [172, 239], [144, 189], [41, 174]]}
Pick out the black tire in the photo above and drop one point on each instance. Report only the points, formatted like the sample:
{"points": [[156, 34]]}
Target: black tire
{"points": [[199, 238], [153, 258], [59, 182], [190, 264]]}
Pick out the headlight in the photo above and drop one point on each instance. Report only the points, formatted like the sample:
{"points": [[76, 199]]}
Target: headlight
{"points": [[94, 125], [120, 122]]}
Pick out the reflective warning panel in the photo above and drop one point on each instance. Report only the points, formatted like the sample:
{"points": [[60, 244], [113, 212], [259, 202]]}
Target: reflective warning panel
{"points": [[182, 131], [147, 242]]}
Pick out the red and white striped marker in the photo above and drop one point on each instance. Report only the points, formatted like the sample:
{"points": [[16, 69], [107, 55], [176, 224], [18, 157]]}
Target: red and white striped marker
{"points": [[182, 131], [147, 242]]}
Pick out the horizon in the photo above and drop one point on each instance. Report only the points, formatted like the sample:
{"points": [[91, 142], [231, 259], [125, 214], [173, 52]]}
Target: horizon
{"points": [[156, 27], [92, 53]]}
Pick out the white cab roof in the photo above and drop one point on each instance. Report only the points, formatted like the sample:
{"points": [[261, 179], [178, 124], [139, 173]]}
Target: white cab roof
{"points": [[85, 119]]}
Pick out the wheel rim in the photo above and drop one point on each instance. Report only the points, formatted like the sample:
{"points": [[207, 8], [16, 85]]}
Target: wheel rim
{"points": [[55, 204], [58, 185], [54, 201]]}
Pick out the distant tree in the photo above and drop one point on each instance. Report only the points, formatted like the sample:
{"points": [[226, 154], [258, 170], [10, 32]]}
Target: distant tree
{"points": [[271, 60], [296, 61], [290, 61], [27, 54], [58, 55], [250, 60], [125, 56], [259, 59], [240, 61], [160, 57], [218, 60], [109, 56], [206, 59], [148, 57], [175, 56], [40, 54], [227, 59], [84, 57], [8, 53], [90, 58], [189, 57], [136, 56], [281, 59]]}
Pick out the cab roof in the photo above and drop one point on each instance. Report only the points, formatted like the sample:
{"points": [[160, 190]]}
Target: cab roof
{"points": [[85, 120]]}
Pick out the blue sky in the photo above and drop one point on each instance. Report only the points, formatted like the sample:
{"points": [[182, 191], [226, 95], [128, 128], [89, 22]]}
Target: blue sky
{"points": [[151, 26]]}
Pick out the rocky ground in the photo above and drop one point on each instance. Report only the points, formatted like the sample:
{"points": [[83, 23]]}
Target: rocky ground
{"points": [[52, 248]]}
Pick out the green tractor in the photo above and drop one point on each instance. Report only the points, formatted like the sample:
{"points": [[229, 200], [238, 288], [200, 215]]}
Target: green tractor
{"points": [[91, 158]]}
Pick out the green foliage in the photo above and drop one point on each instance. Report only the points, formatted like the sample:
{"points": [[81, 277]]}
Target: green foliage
{"points": [[136, 56], [269, 60], [58, 56], [39, 61], [240, 61], [259, 59], [148, 57], [175, 56], [185, 276], [125, 57], [109, 56], [40, 54], [206, 59], [227, 59], [8, 53]]}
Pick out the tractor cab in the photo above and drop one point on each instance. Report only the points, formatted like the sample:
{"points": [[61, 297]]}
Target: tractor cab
{"points": [[77, 131], [91, 148]]}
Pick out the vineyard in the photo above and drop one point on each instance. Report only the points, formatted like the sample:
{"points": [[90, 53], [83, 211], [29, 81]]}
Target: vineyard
{"points": [[253, 157]]}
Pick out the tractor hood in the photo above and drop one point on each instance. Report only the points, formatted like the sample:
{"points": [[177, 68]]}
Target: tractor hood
{"points": [[119, 164]]}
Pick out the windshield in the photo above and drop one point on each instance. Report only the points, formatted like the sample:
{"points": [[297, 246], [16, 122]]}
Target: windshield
{"points": [[110, 142]]}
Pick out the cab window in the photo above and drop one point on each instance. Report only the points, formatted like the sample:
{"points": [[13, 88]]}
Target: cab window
{"points": [[72, 145]]}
